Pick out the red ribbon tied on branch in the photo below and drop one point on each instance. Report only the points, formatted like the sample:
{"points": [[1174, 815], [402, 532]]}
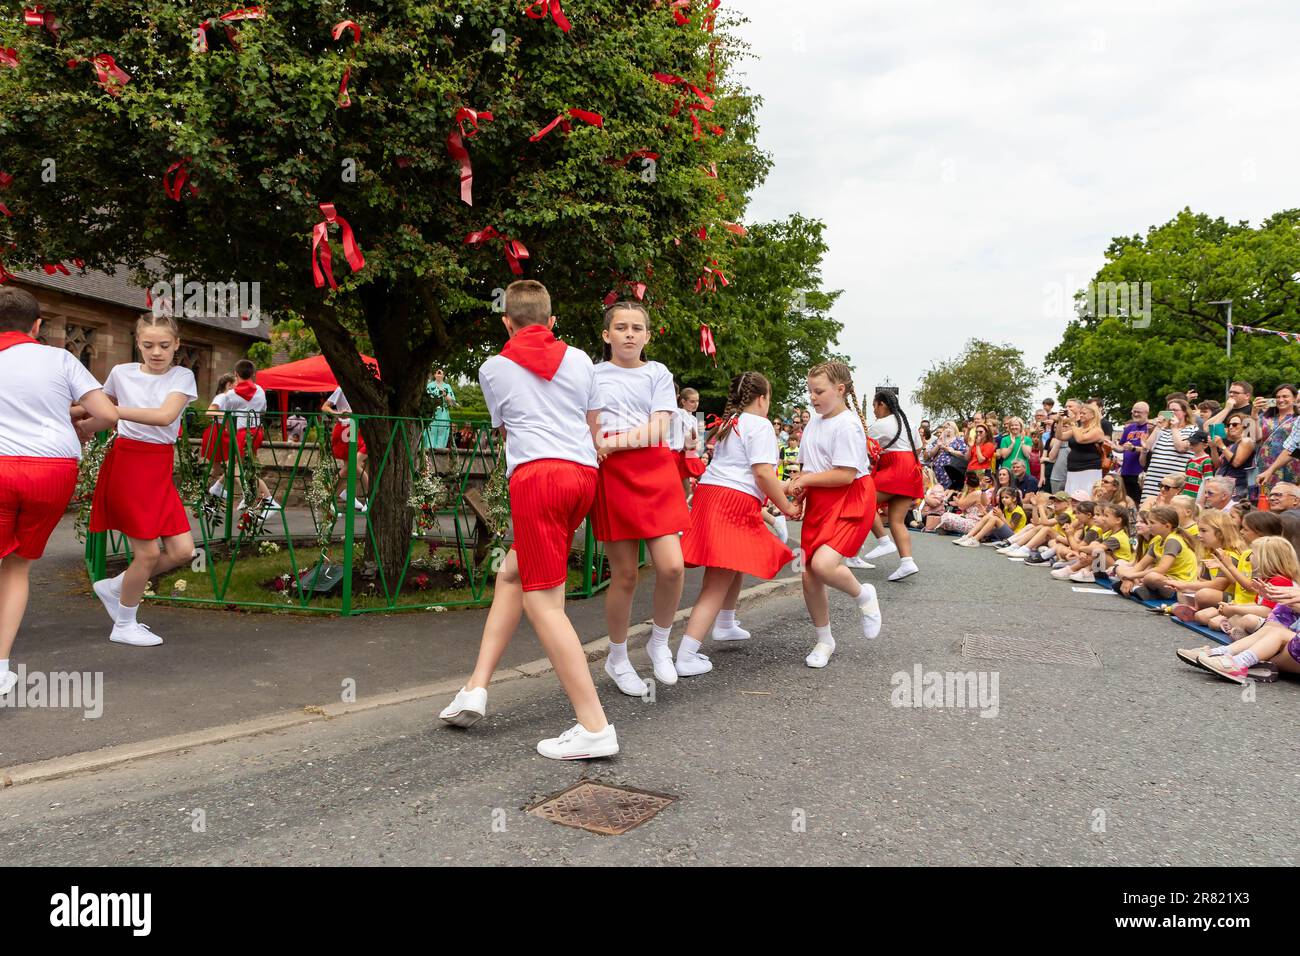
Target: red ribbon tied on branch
{"points": [[638, 289], [707, 345], [635, 154], [5, 181], [4, 211], [107, 73], [735, 227], [456, 147], [562, 121], [243, 13], [338, 30], [8, 57], [542, 8], [707, 280], [514, 249], [54, 268], [38, 16], [320, 246], [177, 178]]}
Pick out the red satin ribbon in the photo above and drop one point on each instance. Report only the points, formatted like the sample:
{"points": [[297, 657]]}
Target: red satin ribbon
{"points": [[38, 16], [711, 17], [6, 180], [636, 154], [514, 249], [106, 70], [456, 147], [344, 100], [708, 347], [243, 13], [706, 281], [320, 247], [736, 228], [595, 119], [8, 57], [541, 8], [4, 211], [672, 79], [637, 289], [54, 268], [177, 178]]}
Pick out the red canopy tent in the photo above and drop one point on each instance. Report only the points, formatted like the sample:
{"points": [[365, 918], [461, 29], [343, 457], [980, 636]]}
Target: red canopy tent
{"points": [[307, 375]]}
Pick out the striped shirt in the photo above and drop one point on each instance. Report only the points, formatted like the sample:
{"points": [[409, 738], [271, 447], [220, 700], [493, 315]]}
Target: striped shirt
{"points": [[1165, 460], [1197, 470]]}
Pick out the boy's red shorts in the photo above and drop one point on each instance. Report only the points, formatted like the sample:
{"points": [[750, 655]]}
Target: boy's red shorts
{"points": [[339, 443], [549, 500], [34, 494]]}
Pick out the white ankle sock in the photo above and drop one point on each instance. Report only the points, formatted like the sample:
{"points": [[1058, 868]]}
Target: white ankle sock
{"points": [[824, 636], [727, 618], [4, 667], [906, 563], [689, 647], [659, 635], [617, 652], [126, 615]]}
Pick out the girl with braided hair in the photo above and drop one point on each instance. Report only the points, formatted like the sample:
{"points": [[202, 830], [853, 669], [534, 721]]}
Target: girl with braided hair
{"points": [[727, 536], [898, 480], [839, 499]]}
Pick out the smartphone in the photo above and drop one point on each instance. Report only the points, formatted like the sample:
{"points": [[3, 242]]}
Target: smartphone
{"points": [[1272, 403], [1167, 415]]}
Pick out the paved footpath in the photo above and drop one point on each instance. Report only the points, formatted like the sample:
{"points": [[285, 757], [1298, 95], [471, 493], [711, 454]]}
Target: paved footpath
{"points": [[1128, 757]]}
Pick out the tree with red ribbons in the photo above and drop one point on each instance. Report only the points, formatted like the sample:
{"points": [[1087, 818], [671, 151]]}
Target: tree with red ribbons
{"points": [[253, 118]]}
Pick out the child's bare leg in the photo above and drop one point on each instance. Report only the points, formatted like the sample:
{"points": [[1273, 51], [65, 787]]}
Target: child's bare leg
{"points": [[145, 557], [501, 624], [670, 576], [815, 598], [717, 585], [733, 594], [14, 588], [898, 508], [1209, 597], [545, 610], [622, 556]]}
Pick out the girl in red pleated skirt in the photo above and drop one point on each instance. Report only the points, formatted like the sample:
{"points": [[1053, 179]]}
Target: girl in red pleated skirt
{"points": [[839, 502], [728, 537], [899, 483], [686, 439], [215, 445], [135, 494], [639, 493]]}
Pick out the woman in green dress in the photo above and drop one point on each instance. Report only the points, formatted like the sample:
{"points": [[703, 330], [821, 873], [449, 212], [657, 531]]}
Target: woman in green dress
{"points": [[439, 430]]}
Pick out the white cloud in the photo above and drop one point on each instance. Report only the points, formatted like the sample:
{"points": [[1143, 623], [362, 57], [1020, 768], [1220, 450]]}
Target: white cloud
{"points": [[972, 159]]}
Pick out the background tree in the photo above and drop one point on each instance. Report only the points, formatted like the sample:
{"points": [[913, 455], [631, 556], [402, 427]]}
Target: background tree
{"points": [[984, 377], [257, 119], [1191, 261], [291, 340]]}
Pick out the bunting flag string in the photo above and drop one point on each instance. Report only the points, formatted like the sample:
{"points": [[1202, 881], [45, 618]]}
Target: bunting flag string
{"points": [[1285, 336]]}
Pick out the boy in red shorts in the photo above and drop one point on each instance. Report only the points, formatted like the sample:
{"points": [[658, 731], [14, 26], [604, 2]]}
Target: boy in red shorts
{"points": [[39, 450], [542, 394], [246, 402]]}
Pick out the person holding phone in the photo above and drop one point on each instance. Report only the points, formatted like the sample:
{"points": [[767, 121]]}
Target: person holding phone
{"points": [[1166, 445], [1274, 420]]}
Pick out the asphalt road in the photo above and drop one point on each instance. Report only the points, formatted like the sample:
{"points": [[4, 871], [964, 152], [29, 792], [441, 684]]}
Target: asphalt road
{"points": [[1128, 757]]}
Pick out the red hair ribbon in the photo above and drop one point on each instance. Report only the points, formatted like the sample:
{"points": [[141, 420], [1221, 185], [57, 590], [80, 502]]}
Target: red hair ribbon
{"points": [[320, 243], [53, 268], [38, 16], [338, 30], [595, 119], [177, 178], [8, 57], [636, 154], [514, 249], [107, 72], [706, 281], [456, 147], [541, 8], [708, 347]]}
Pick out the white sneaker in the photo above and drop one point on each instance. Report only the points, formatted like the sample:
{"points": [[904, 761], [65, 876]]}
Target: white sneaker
{"points": [[1020, 551], [859, 564], [661, 656], [270, 504], [1083, 577], [578, 743], [905, 569], [995, 544], [968, 543], [137, 635], [733, 633], [626, 677], [870, 609], [692, 665], [343, 496], [1062, 574], [361, 507], [109, 595], [820, 655], [8, 681], [466, 708], [958, 541], [879, 551], [217, 491]]}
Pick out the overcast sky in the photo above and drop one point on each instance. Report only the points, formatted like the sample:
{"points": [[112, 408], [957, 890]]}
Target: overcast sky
{"points": [[972, 160]]}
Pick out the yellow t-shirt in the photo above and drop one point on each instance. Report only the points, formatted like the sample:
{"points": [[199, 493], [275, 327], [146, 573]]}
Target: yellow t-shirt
{"points": [[1239, 594], [1184, 566], [1017, 519], [1124, 550]]}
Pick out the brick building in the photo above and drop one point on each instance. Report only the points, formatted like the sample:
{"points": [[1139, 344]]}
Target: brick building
{"points": [[93, 316]]}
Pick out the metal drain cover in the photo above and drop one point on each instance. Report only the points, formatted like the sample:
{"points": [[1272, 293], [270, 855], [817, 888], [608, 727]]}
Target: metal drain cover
{"points": [[600, 808], [1028, 650]]}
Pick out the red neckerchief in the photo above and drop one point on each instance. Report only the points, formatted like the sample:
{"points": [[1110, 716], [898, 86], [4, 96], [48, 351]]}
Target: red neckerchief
{"points": [[536, 349], [8, 339], [246, 390]]}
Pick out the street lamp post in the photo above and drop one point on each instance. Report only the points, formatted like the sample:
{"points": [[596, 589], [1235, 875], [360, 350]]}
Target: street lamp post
{"points": [[1228, 303]]}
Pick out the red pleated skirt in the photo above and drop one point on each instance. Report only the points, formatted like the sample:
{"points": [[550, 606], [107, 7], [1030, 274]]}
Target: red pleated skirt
{"points": [[639, 496], [135, 493], [339, 445], [727, 531], [690, 465], [839, 517], [215, 444], [549, 500], [899, 473]]}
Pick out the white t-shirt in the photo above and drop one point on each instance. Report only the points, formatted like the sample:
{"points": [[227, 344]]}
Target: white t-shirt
{"points": [[542, 419], [883, 430], [629, 396], [247, 411], [684, 425], [38, 383], [339, 400], [836, 442], [132, 387], [752, 442]]}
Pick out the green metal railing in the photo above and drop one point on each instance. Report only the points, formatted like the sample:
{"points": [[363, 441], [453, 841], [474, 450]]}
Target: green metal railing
{"points": [[237, 545]]}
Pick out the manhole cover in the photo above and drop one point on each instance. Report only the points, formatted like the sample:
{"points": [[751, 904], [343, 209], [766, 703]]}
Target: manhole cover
{"points": [[1029, 650], [600, 808]]}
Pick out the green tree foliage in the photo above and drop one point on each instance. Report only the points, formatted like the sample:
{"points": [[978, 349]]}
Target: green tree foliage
{"points": [[1191, 261], [984, 377], [290, 337]]}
